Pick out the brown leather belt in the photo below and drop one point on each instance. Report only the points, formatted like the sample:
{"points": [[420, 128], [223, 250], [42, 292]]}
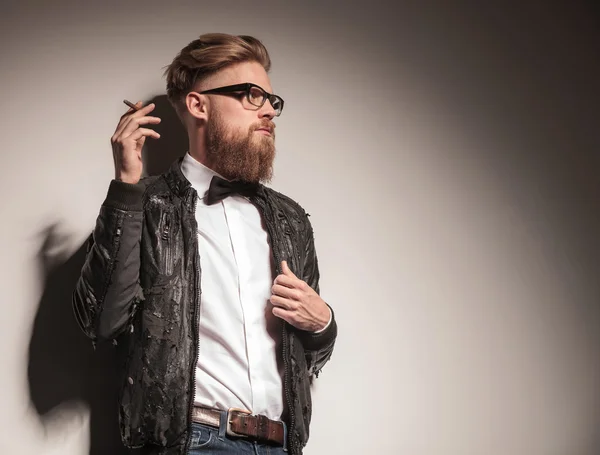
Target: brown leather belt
{"points": [[242, 424]]}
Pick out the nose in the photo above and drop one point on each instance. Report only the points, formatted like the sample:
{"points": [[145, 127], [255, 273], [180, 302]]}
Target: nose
{"points": [[267, 110]]}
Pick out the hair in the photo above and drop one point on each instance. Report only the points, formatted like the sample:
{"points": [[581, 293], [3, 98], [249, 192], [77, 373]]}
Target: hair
{"points": [[205, 56]]}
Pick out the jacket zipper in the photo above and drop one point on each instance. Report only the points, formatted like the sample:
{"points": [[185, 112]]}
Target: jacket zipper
{"points": [[285, 346], [287, 373], [197, 274], [166, 237], [284, 340]]}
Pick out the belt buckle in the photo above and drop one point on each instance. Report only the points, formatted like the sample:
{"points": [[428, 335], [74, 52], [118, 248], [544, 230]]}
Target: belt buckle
{"points": [[229, 431]]}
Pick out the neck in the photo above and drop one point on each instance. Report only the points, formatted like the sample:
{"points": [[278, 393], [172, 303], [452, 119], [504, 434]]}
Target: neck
{"points": [[197, 146]]}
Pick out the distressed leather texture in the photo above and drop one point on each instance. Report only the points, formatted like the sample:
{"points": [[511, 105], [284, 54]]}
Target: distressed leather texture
{"points": [[140, 289]]}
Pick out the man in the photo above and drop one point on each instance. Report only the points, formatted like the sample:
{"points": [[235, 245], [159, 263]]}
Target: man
{"points": [[205, 279]]}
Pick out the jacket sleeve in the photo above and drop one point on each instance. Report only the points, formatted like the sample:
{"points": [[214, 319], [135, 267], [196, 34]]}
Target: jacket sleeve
{"points": [[108, 291], [317, 346]]}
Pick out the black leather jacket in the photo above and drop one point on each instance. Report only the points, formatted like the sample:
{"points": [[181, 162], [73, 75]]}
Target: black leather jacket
{"points": [[140, 288]]}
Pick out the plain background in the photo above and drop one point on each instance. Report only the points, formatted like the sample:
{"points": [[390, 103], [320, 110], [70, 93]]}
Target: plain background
{"points": [[448, 154]]}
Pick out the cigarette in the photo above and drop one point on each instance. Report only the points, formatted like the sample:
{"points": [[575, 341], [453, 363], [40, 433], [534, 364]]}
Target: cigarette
{"points": [[131, 105]]}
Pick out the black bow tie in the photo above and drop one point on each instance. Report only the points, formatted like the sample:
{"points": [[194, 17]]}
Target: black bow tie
{"points": [[220, 188]]}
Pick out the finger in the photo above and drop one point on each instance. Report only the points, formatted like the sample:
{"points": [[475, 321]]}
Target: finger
{"points": [[284, 291], [283, 314], [286, 270], [284, 303], [132, 124], [126, 117], [136, 122], [140, 107], [133, 107], [287, 281], [142, 132]]}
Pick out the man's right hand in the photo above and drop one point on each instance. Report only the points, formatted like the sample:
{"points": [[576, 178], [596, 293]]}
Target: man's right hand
{"points": [[128, 140]]}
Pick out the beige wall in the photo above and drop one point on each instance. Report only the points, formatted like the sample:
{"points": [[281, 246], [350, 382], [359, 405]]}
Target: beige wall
{"points": [[448, 157]]}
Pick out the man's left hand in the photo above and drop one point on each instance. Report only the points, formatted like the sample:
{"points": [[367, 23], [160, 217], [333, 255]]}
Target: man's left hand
{"points": [[296, 302]]}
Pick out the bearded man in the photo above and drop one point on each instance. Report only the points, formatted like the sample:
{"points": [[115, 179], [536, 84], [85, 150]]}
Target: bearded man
{"points": [[205, 279]]}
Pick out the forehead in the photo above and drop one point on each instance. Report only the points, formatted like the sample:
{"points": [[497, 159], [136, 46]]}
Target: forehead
{"points": [[239, 73]]}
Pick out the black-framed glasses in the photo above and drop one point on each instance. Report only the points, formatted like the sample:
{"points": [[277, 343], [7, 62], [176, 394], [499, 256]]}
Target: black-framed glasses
{"points": [[255, 95]]}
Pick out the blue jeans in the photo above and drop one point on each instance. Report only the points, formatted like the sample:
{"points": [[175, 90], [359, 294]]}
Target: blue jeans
{"points": [[207, 440]]}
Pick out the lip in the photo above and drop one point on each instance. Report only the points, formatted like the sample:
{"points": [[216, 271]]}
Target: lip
{"points": [[265, 131]]}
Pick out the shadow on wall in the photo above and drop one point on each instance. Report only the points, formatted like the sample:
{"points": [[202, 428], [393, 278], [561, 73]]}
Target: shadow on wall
{"points": [[63, 365], [173, 143]]}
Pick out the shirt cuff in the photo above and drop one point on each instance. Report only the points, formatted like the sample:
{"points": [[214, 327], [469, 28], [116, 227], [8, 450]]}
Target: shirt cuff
{"points": [[328, 323]]}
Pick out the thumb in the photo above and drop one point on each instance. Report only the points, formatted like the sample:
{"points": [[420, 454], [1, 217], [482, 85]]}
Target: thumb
{"points": [[286, 270]]}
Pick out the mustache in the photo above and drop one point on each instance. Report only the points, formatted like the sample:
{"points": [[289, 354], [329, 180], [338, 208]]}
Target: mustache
{"points": [[267, 124]]}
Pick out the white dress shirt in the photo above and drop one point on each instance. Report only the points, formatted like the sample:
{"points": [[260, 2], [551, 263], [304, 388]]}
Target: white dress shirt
{"points": [[240, 338]]}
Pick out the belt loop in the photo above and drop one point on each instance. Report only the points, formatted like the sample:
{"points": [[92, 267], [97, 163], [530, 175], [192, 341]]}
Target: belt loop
{"points": [[222, 425], [285, 435]]}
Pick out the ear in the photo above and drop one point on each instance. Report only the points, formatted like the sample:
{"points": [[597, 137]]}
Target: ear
{"points": [[197, 105]]}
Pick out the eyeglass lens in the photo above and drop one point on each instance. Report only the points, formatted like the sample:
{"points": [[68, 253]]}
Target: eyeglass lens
{"points": [[256, 96]]}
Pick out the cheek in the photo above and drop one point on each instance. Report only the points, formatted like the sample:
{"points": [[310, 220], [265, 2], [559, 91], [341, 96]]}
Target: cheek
{"points": [[236, 121], [232, 110], [234, 128]]}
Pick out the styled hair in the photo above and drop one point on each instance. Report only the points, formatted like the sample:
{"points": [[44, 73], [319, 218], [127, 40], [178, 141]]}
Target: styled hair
{"points": [[205, 56]]}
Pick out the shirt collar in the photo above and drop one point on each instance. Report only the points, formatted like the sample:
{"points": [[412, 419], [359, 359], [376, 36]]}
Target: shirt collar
{"points": [[197, 174]]}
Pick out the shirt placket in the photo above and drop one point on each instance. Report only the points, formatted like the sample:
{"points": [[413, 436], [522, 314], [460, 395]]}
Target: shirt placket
{"points": [[240, 249]]}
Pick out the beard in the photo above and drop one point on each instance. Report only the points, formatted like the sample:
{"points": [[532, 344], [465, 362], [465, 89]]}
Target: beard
{"points": [[238, 156]]}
